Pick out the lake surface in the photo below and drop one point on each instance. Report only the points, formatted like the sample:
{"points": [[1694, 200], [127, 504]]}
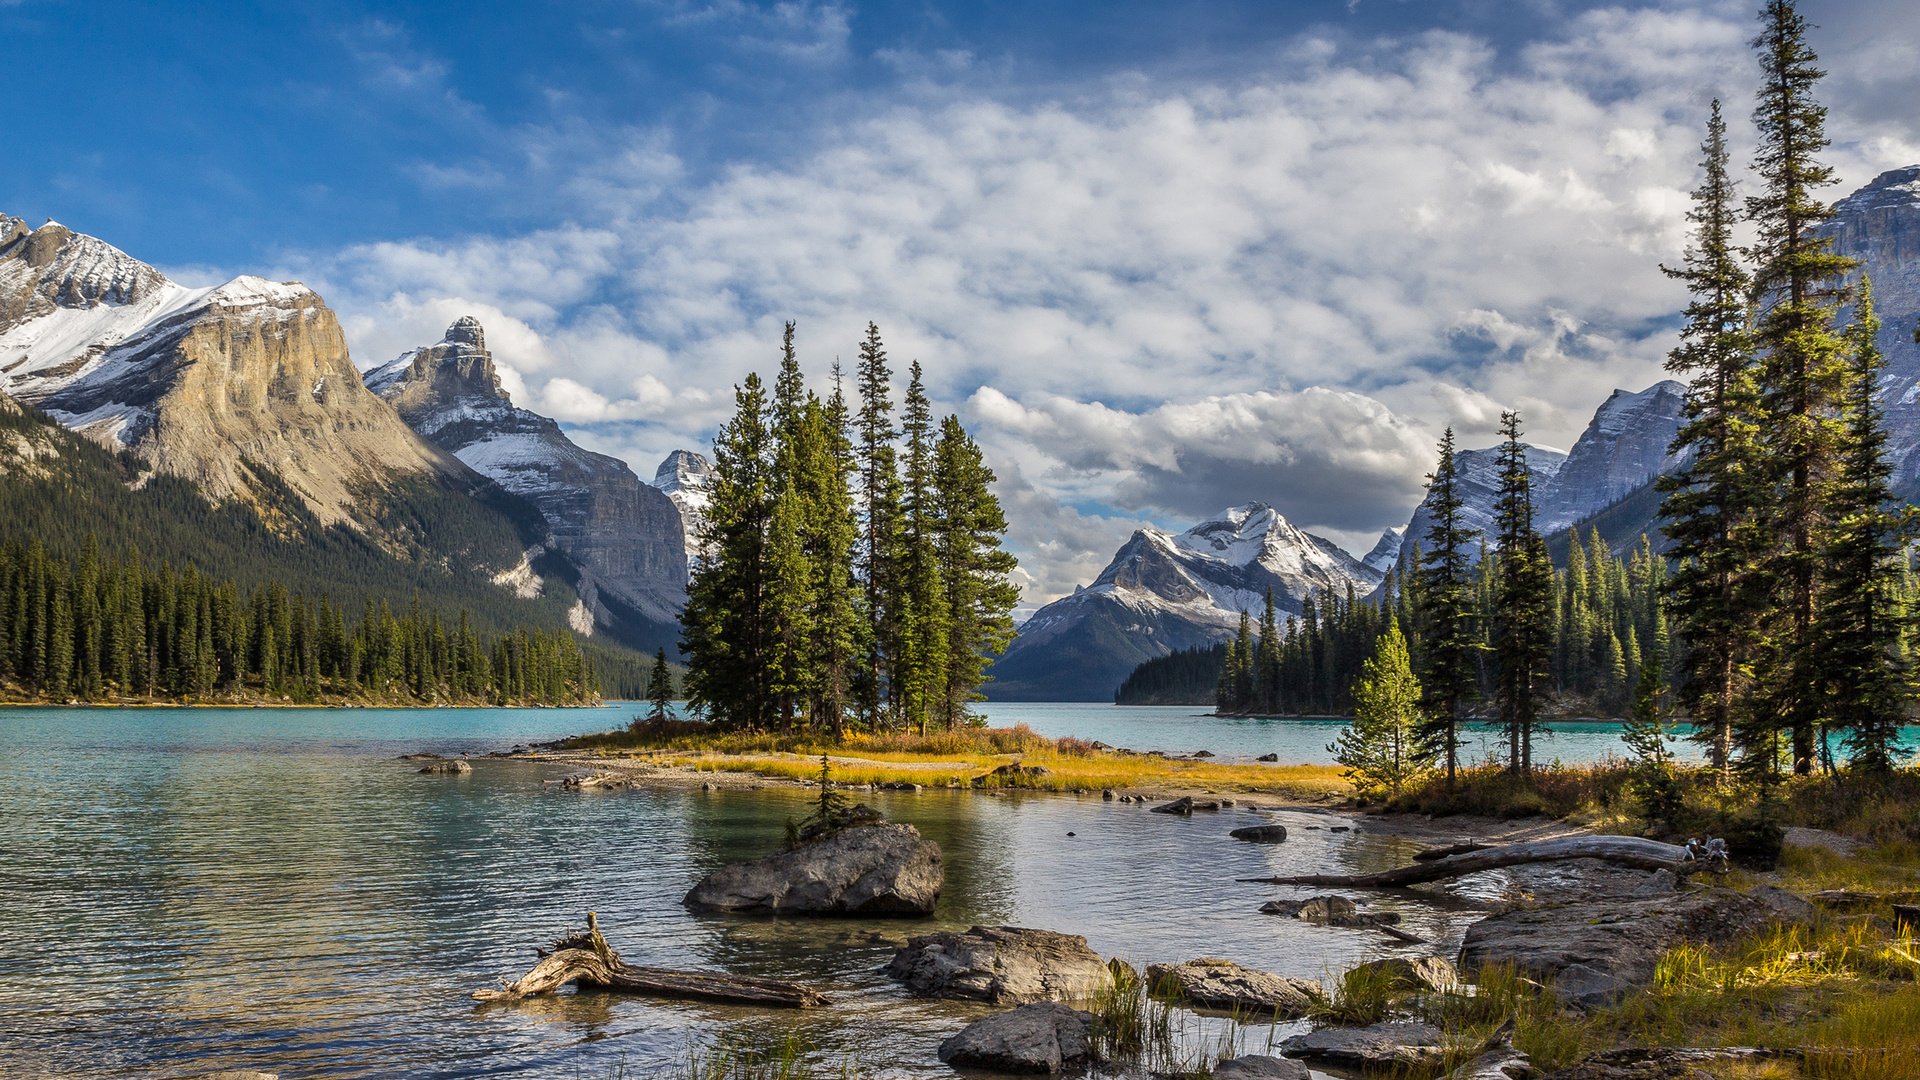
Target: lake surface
{"points": [[185, 890]]}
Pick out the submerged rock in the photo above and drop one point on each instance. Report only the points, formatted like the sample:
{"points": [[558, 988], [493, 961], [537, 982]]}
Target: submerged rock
{"points": [[1185, 805], [1223, 984], [1261, 834], [1039, 1038], [887, 870], [453, 767], [1597, 952], [1261, 1067], [1001, 965], [1376, 1046]]}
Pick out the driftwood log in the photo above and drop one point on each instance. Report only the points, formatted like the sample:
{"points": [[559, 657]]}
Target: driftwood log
{"points": [[1631, 851], [588, 959]]}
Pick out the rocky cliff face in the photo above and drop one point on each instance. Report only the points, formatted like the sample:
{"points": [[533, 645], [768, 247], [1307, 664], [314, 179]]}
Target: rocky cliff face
{"points": [[1165, 591], [624, 535], [1621, 451], [1880, 226], [234, 387]]}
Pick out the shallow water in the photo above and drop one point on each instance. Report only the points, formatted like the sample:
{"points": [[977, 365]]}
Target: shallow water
{"points": [[183, 890]]}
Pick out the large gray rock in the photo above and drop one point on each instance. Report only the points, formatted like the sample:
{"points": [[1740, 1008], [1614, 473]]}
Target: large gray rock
{"points": [[1223, 984], [1376, 1046], [1040, 1038], [1596, 952], [1415, 973], [1001, 965], [863, 870], [1261, 1067]]}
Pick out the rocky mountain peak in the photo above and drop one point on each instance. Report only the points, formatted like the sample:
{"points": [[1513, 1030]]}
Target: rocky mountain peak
{"points": [[684, 470], [1891, 190], [53, 266], [456, 370]]}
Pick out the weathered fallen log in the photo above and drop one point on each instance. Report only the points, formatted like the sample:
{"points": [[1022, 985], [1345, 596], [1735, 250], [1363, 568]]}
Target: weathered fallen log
{"points": [[1463, 848], [588, 959], [1631, 851]]}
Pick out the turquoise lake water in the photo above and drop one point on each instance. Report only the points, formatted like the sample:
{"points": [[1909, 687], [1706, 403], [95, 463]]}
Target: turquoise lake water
{"points": [[185, 890]]}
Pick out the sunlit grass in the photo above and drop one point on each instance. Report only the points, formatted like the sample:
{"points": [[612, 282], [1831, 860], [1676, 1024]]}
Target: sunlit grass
{"points": [[958, 758]]}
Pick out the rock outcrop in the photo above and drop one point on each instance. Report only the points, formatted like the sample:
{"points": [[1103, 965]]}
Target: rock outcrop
{"points": [[625, 536], [1042, 1038], [1414, 973], [1223, 984], [1596, 952], [865, 870], [1260, 834], [1001, 965]]}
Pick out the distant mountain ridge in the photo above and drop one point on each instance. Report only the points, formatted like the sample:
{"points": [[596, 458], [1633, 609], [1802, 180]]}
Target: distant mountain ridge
{"points": [[1165, 591], [625, 536]]}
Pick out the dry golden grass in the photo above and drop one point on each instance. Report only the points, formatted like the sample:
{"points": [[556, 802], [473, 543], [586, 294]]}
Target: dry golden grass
{"points": [[943, 759]]}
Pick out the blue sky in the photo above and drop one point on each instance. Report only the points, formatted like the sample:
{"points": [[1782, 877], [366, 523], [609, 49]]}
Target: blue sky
{"points": [[1160, 256]]}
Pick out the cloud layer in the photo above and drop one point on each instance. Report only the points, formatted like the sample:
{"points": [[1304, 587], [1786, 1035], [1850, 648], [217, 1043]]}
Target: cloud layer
{"points": [[1151, 295]]}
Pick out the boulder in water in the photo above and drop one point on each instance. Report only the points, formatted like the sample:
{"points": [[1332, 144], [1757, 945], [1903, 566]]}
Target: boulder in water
{"points": [[1001, 965], [1041, 1038], [1396, 1044], [868, 870], [1260, 834], [1223, 984]]}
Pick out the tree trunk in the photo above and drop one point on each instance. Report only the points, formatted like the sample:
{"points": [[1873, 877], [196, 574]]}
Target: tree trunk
{"points": [[588, 959], [1621, 850]]}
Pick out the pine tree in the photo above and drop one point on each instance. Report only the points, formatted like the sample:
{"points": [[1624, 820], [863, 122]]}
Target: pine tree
{"points": [[1446, 614], [790, 575], [1648, 735], [975, 570], [1804, 369], [1861, 627], [725, 625], [920, 594], [1522, 627], [1266, 663], [1383, 749], [880, 521], [839, 632], [660, 689]]}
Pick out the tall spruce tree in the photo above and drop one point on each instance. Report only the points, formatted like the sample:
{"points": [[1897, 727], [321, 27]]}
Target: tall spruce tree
{"points": [[789, 572], [725, 627], [1522, 629], [921, 647], [1714, 498], [1861, 622], [880, 525], [660, 689], [1446, 614], [839, 634], [975, 570], [1797, 279], [1382, 749]]}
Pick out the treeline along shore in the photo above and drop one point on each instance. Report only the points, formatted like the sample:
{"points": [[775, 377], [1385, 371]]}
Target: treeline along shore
{"points": [[96, 630]]}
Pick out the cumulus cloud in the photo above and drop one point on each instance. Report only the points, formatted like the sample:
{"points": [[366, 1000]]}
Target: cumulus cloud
{"points": [[1154, 297]]}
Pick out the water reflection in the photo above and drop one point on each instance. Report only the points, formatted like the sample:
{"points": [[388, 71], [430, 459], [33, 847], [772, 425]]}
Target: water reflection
{"points": [[189, 891]]}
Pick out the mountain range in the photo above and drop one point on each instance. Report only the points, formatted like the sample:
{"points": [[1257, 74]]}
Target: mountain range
{"points": [[245, 393]]}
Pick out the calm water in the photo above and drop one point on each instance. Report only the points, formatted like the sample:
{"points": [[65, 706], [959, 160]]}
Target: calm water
{"points": [[183, 890]]}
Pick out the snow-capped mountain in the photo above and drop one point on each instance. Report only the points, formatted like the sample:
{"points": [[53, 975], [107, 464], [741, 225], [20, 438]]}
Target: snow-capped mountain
{"points": [[218, 385], [1880, 226], [1165, 591], [1386, 551], [625, 536], [1622, 449], [687, 478]]}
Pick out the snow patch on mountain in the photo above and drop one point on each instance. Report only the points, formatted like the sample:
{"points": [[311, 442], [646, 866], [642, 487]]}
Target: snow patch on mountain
{"points": [[687, 478]]}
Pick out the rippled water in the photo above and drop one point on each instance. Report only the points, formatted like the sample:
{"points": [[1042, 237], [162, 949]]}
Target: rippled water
{"points": [[182, 890]]}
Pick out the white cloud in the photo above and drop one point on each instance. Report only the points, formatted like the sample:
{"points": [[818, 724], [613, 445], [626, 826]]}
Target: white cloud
{"points": [[1153, 298]]}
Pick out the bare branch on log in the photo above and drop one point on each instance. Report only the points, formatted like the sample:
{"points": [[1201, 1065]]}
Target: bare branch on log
{"points": [[588, 959], [1630, 851]]}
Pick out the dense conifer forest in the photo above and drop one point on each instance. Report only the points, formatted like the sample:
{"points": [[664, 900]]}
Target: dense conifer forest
{"points": [[855, 580], [92, 630]]}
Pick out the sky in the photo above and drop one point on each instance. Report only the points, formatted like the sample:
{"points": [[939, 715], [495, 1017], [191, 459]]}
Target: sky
{"points": [[1160, 257]]}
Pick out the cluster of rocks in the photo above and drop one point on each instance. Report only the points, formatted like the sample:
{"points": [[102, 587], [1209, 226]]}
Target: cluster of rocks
{"points": [[866, 868]]}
